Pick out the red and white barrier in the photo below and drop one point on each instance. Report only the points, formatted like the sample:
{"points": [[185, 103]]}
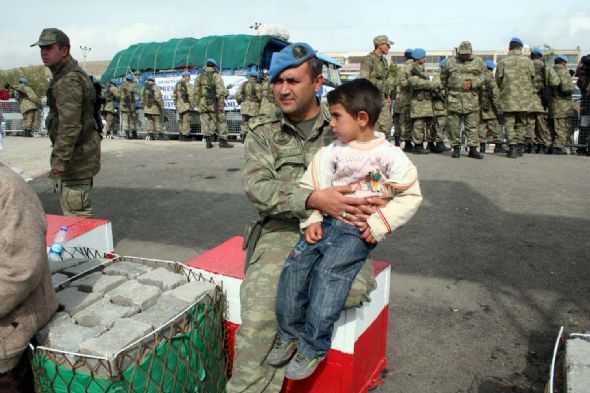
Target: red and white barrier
{"points": [[82, 232], [358, 348]]}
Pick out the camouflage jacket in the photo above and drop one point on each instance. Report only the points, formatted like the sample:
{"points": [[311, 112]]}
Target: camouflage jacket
{"points": [[184, 97], [277, 154], [490, 98], [26, 97], [127, 96], [151, 98], [210, 92], [420, 92], [112, 95], [560, 104], [249, 96], [539, 83], [267, 101], [514, 76], [453, 76], [375, 69], [402, 87], [70, 123], [438, 101]]}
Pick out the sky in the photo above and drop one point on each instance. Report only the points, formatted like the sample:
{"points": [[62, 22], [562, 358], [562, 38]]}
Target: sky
{"points": [[109, 26]]}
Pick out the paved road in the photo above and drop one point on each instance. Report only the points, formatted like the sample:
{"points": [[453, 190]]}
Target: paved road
{"points": [[495, 260]]}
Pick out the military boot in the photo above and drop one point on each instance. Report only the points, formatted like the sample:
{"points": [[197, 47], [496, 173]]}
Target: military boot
{"points": [[482, 147], [224, 144], [541, 149], [27, 134], [134, 135], [419, 149], [512, 152], [559, 151], [456, 152], [127, 134], [473, 153], [181, 138], [439, 148], [151, 136], [520, 147], [530, 148], [397, 141], [408, 146], [163, 137], [208, 143], [431, 147], [499, 149]]}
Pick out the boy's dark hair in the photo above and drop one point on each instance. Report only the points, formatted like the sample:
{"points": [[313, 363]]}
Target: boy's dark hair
{"points": [[356, 96]]}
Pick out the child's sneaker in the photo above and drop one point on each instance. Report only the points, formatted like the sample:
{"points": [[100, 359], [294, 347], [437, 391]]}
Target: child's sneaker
{"points": [[281, 352], [301, 367]]}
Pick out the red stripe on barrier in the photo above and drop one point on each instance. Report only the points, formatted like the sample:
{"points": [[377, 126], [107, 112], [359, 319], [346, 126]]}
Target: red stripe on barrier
{"points": [[76, 226]]}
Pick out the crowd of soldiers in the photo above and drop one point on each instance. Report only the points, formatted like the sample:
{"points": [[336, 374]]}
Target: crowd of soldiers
{"points": [[524, 107], [28, 102]]}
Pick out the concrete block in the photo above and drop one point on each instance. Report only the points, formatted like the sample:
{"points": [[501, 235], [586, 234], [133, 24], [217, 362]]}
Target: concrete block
{"points": [[163, 311], [67, 336], [102, 313], [58, 278], [192, 291], [577, 365], [97, 282], [134, 294], [162, 278], [124, 332], [74, 300], [84, 267], [43, 334], [127, 269]]}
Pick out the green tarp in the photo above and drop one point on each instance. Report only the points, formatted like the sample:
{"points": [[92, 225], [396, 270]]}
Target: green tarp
{"points": [[230, 51]]}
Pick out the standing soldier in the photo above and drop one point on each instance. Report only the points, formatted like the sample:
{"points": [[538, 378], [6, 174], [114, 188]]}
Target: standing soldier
{"points": [[420, 102], [28, 104], [248, 96], [210, 94], [402, 102], [463, 78], [514, 75], [561, 109], [491, 113], [184, 101], [75, 158], [268, 107], [151, 98], [538, 125], [127, 105], [112, 96], [374, 68], [440, 113]]}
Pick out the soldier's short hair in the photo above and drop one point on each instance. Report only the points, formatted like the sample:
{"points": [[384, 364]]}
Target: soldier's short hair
{"points": [[315, 67], [358, 95]]}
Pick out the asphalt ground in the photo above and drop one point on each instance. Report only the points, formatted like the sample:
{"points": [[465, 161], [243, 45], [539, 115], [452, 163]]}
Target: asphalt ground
{"points": [[493, 263]]}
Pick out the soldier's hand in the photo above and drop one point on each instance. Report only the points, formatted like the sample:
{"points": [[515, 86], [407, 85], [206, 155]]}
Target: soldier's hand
{"points": [[313, 233], [467, 85], [334, 202], [371, 206]]}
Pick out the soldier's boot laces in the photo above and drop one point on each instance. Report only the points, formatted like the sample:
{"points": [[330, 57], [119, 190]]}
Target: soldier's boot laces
{"points": [[225, 144], [456, 152], [473, 153], [512, 153], [208, 143]]}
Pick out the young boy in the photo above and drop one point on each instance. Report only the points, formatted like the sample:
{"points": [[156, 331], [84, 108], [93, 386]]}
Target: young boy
{"points": [[318, 273]]}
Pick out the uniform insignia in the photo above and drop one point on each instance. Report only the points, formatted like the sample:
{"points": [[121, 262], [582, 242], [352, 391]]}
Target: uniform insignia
{"points": [[281, 138]]}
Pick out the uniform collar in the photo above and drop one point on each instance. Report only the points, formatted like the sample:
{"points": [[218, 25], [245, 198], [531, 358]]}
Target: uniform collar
{"points": [[322, 120]]}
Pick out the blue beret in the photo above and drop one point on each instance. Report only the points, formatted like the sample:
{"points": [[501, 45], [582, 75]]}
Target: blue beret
{"points": [[290, 56], [130, 77], [114, 82], [561, 58], [24, 80], [408, 51], [490, 64], [517, 40], [151, 78], [185, 73], [537, 52], [418, 53], [211, 62], [252, 73], [442, 63]]}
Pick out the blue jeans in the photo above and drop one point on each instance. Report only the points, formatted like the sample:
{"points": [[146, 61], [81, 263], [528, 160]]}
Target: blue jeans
{"points": [[314, 284]]}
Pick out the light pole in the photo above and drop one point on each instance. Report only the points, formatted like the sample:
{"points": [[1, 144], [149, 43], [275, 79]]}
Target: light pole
{"points": [[85, 50]]}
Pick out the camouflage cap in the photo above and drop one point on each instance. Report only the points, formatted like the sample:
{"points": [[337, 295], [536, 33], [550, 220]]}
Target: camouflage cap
{"points": [[382, 39], [52, 36], [465, 48]]}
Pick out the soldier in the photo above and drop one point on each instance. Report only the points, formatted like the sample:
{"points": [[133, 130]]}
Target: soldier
{"points": [[184, 100], [112, 96], [439, 125], [28, 103], [374, 68], [491, 113], [127, 106], [514, 75], [248, 96], [421, 110], [268, 108], [210, 93], [75, 158], [153, 104], [463, 78], [277, 151], [561, 109], [402, 103]]}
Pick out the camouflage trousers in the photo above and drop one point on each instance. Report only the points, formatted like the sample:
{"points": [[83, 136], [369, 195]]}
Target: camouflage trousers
{"points": [[214, 122], [385, 121], [439, 127], [29, 119], [493, 128], [538, 129], [75, 198], [255, 336], [397, 126], [184, 122], [244, 125], [516, 124], [470, 128], [110, 120], [406, 124], [561, 131], [422, 130], [129, 121], [154, 123]]}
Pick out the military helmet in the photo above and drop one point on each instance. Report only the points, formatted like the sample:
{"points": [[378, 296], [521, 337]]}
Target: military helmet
{"points": [[465, 48], [382, 39], [23, 80]]}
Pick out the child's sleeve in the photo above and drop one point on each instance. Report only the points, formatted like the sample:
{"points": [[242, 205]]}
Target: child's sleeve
{"points": [[403, 181]]}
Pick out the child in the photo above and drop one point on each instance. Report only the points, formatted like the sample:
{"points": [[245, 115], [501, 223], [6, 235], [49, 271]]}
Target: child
{"points": [[318, 273]]}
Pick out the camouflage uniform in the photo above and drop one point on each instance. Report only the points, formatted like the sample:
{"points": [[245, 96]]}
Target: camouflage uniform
{"points": [[277, 154], [439, 110], [248, 96], [184, 100], [151, 98], [403, 103], [514, 76], [28, 103], [421, 110], [490, 110], [375, 69], [127, 105], [73, 133], [560, 106], [210, 93], [268, 108], [538, 126], [112, 95]]}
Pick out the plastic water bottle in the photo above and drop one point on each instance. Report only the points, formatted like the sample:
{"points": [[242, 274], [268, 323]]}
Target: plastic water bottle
{"points": [[57, 247]]}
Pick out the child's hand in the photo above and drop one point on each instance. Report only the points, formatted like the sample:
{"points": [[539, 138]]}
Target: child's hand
{"points": [[313, 233], [366, 234]]}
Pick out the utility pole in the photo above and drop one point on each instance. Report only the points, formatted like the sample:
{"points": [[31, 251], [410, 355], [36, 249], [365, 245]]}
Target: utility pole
{"points": [[85, 50]]}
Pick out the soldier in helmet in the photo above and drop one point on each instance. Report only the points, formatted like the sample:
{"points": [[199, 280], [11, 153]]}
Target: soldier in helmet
{"points": [[210, 93], [561, 109], [153, 104], [374, 67], [514, 75], [491, 113], [463, 77], [128, 91], [112, 96], [185, 101], [28, 103], [248, 96]]}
